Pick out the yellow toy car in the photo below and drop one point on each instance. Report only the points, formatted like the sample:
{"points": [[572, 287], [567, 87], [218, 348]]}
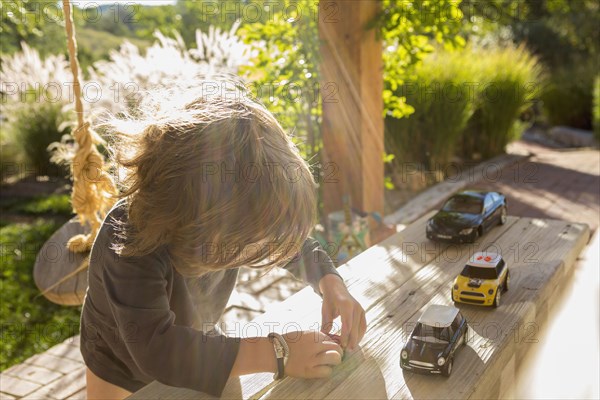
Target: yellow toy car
{"points": [[482, 280]]}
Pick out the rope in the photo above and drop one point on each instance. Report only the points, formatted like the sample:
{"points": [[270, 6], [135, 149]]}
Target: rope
{"points": [[93, 188]]}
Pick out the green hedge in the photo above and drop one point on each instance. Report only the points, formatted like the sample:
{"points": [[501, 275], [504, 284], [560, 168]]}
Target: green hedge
{"points": [[443, 105], [31, 127], [567, 96], [509, 81], [467, 105]]}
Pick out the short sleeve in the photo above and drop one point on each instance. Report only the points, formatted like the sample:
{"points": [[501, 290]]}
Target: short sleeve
{"points": [[311, 264], [181, 356]]}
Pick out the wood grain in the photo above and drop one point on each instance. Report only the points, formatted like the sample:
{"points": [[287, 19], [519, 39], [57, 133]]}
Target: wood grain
{"points": [[395, 281]]}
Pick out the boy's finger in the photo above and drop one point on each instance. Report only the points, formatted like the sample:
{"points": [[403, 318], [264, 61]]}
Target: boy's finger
{"points": [[326, 321], [321, 371], [330, 357], [347, 321], [363, 326], [331, 346], [353, 339]]}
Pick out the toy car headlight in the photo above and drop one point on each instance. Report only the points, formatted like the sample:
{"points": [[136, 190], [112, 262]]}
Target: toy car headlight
{"points": [[404, 354], [466, 231], [455, 286], [490, 291], [441, 361]]}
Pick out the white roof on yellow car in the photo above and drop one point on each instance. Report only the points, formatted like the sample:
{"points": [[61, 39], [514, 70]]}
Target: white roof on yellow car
{"points": [[485, 259], [437, 315]]}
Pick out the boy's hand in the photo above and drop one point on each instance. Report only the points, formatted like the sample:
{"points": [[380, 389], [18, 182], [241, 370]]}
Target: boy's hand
{"points": [[337, 301], [312, 354]]}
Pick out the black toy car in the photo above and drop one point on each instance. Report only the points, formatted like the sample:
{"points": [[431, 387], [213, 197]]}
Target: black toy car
{"points": [[466, 216], [440, 331]]}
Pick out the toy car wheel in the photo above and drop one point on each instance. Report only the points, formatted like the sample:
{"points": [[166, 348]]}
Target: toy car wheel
{"points": [[497, 298], [503, 215], [478, 233], [452, 295], [506, 281], [465, 338], [448, 368]]}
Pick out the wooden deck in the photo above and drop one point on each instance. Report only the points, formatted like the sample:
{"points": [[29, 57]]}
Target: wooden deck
{"points": [[58, 373], [394, 281]]}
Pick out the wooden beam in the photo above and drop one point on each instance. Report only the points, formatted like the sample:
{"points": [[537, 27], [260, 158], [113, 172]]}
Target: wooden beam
{"points": [[351, 87], [395, 281]]}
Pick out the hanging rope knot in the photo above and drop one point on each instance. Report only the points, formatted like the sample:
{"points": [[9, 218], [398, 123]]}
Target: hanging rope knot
{"points": [[94, 190]]}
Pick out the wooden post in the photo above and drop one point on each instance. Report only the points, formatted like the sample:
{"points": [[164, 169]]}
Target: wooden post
{"points": [[351, 88]]}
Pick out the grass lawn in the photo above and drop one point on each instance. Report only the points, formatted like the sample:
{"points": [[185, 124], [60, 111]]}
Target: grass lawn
{"points": [[30, 323]]}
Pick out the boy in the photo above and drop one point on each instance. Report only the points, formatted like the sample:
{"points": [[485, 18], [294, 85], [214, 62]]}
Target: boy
{"points": [[210, 184]]}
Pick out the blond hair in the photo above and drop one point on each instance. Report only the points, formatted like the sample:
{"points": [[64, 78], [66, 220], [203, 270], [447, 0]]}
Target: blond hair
{"points": [[209, 174]]}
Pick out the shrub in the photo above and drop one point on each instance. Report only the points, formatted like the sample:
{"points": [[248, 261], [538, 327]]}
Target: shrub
{"points": [[507, 83], [35, 105], [32, 127], [470, 98], [11, 156], [443, 105], [567, 96]]}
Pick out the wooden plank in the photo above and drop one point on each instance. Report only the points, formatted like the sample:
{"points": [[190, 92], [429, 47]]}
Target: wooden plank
{"points": [[393, 303], [388, 314], [472, 365]]}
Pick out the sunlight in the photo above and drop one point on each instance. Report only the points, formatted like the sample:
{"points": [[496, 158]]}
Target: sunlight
{"points": [[539, 222]]}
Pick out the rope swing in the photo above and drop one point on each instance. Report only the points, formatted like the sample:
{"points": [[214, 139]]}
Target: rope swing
{"points": [[93, 187], [57, 273]]}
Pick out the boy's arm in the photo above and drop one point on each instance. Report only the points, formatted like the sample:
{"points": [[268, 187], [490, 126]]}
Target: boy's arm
{"points": [[311, 264], [173, 354]]}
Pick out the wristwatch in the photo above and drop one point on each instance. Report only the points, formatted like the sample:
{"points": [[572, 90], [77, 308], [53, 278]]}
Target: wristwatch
{"points": [[282, 352]]}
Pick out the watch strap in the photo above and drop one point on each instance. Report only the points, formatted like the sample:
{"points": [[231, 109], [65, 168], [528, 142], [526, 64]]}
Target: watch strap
{"points": [[281, 353], [280, 369]]}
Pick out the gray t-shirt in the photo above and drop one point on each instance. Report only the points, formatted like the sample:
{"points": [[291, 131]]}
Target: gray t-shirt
{"points": [[143, 321]]}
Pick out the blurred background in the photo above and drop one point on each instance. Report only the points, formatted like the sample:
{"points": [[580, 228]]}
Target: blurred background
{"points": [[462, 80]]}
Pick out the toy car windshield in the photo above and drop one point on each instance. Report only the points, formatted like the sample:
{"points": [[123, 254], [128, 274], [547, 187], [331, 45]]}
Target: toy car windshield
{"points": [[464, 204], [479, 273], [431, 334]]}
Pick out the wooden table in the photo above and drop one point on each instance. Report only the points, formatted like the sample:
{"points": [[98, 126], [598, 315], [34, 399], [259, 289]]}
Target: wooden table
{"points": [[394, 281]]}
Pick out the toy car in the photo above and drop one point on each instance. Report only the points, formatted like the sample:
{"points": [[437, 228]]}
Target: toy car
{"points": [[439, 332], [482, 280], [466, 216]]}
